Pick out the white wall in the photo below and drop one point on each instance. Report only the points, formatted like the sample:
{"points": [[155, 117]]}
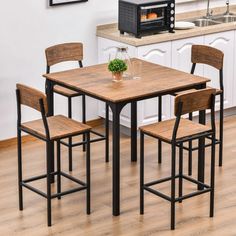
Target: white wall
{"points": [[27, 27], [200, 4]]}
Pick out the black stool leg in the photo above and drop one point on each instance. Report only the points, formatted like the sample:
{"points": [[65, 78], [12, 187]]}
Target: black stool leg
{"points": [[58, 168], [221, 129], [84, 119], [159, 120], [141, 172], [49, 210], [107, 133], [88, 172], [70, 139], [212, 176], [190, 146], [181, 171], [173, 187], [20, 169]]}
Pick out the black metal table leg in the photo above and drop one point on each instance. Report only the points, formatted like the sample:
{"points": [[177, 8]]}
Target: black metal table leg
{"points": [[159, 120], [107, 133], [116, 109], [201, 150], [50, 100], [84, 119], [134, 131]]}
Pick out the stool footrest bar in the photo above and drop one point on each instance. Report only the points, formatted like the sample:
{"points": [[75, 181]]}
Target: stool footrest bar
{"points": [[73, 179], [34, 189], [157, 193], [68, 191], [196, 148], [159, 181], [82, 142], [192, 194], [195, 181]]}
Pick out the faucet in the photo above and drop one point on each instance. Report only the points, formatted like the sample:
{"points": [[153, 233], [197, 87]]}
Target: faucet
{"points": [[227, 8], [208, 13]]}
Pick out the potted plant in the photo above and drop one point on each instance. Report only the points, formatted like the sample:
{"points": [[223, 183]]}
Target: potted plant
{"points": [[117, 67]]}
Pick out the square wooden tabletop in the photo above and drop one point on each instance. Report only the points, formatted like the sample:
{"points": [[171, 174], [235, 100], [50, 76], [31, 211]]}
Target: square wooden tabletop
{"points": [[97, 82]]}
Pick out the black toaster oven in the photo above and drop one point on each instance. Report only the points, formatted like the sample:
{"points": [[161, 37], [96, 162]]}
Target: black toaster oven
{"points": [[141, 17]]}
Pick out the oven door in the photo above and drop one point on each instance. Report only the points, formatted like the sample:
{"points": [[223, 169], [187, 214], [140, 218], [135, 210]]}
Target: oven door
{"points": [[153, 17]]}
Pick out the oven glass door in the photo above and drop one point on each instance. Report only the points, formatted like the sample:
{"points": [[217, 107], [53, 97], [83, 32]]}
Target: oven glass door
{"points": [[154, 16]]}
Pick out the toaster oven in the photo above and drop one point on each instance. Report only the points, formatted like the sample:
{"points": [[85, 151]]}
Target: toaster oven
{"points": [[141, 17]]}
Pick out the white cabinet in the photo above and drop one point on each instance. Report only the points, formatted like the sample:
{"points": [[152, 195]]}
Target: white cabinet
{"points": [[224, 42], [148, 109]]}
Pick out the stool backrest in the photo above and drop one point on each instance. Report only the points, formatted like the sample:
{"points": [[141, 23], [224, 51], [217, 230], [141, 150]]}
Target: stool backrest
{"points": [[198, 100], [35, 99], [207, 55], [31, 97], [194, 101], [64, 52]]}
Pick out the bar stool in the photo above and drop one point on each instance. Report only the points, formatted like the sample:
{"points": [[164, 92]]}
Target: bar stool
{"points": [[176, 132], [74, 52], [213, 57], [49, 129]]}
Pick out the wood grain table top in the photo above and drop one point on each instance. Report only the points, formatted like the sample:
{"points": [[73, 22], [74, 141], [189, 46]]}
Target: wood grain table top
{"points": [[96, 81]]}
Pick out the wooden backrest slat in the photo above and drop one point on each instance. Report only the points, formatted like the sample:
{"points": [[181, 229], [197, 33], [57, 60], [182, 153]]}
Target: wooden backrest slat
{"points": [[30, 97], [207, 55], [194, 101], [64, 52]]}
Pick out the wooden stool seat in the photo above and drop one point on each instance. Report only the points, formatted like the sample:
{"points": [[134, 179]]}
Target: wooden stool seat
{"points": [[164, 130], [218, 91], [65, 91], [59, 127]]}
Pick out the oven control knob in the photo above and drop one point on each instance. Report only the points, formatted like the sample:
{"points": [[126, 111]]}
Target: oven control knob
{"points": [[172, 26], [172, 12], [172, 18], [172, 4]]}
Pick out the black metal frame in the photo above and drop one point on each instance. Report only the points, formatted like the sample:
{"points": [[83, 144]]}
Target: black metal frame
{"points": [[52, 3], [101, 137], [50, 167], [203, 188], [219, 141]]}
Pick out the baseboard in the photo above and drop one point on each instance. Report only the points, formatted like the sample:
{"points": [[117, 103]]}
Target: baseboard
{"points": [[13, 141], [28, 138]]}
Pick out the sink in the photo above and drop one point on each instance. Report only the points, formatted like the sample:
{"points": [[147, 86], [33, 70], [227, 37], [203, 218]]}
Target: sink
{"points": [[205, 22], [225, 18]]}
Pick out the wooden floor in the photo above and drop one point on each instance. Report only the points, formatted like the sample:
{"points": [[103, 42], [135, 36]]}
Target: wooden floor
{"points": [[69, 214]]}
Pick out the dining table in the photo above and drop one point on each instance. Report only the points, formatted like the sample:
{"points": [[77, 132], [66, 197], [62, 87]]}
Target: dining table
{"points": [[96, 81]]}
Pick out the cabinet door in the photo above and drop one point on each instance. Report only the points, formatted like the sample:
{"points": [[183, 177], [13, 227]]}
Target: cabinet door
{"points": [[148, 109], [181, 54], [181, 58], [224, 42], [107, 49]]}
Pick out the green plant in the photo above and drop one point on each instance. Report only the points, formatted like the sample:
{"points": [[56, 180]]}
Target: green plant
{"points": [[117, 65]]}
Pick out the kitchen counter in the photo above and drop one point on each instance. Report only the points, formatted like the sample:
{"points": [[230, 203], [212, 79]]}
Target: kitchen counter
{"points": [[110, 31]]}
